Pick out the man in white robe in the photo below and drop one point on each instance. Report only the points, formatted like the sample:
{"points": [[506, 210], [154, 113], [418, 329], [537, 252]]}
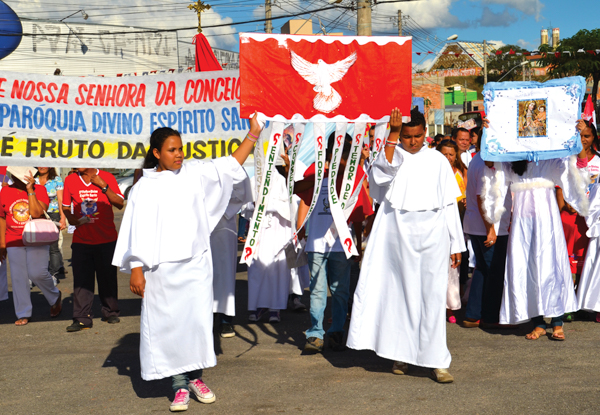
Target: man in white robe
{"points": [[400, 303]]}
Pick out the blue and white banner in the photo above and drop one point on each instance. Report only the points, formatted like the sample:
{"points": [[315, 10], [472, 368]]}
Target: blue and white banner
{"points": [[531, 120]]}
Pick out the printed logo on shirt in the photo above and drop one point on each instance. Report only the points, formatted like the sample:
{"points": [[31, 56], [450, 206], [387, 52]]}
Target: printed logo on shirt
{"points": [[326, 210], [20, 211], [89, 207]]}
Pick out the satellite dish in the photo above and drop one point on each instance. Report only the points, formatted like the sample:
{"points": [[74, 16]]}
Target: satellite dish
{"points": [[11, 25]]}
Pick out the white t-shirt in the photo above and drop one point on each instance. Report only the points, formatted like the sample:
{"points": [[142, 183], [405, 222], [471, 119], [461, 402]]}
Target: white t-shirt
{"points": [[319, 222], [593, 167], [473, 222]]}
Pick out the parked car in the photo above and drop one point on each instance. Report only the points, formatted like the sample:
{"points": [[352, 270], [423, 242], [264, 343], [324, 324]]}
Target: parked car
{"points": [[125, 182]]}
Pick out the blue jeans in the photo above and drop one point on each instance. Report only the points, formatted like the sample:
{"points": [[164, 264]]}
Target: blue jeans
{"points": [[182, 380], [487, 284], [332, 267]]}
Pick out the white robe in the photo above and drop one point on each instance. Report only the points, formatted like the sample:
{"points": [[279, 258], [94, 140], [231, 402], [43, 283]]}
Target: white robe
{"points": [[588, 293], [165, 230], [399, 306], [268, 275], [224, 244], [538, 279]]}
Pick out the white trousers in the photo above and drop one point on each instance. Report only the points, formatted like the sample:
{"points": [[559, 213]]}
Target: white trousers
{"points": [[30, 263]]}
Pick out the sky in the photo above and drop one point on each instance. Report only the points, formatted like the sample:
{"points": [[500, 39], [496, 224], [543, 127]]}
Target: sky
{"points": [[428, 21]]}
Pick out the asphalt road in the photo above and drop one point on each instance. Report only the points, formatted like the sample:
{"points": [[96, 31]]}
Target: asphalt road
{"points": [[45, 370]]}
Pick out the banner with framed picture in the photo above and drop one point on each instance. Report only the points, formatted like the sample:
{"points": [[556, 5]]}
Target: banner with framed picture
{"points": [[531, 120]]}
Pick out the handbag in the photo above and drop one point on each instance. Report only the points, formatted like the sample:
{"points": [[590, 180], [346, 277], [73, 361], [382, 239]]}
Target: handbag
{"points": [[39, 232]]}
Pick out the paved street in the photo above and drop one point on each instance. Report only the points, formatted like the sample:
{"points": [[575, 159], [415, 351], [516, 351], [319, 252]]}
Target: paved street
{"points": [[46, 370]]}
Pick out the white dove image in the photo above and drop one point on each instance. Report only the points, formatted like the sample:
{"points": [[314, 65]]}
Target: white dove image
{"points": [[322, 75]]}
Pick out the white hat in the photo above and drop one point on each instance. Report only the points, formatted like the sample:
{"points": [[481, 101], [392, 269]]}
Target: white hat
{"points": [[19, 172]]}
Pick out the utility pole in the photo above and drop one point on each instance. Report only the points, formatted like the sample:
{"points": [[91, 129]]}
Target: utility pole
{"points": [[363, 18], [485, 62], [399, 22], [268, 21], [465, 101], [523, 69], [199, 7]]}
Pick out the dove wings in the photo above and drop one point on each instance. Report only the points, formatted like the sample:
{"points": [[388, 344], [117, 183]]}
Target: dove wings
{"points": [[322, 75]]}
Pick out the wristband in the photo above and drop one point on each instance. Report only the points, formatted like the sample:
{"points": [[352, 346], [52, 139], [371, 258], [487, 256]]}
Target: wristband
{"points": [[30, 194], [391, 142], [252, 135], [251, 139]]}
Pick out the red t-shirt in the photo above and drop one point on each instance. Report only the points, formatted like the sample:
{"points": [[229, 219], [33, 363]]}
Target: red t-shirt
{"points": [[88, 200], [14, 207], [363, 207]]}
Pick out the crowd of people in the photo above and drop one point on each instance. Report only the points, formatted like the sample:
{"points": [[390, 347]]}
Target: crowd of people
{"points": [[443, 230]]}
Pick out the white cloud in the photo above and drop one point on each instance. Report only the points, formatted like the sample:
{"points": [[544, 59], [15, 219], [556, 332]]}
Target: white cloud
{"points": [[430, 14], [496, 43], [530, 7], [491, 19], [524, 44], [423, 66]]}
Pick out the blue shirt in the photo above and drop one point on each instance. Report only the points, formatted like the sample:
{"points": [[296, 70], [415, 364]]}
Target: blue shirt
{"points": [[52, 187]]}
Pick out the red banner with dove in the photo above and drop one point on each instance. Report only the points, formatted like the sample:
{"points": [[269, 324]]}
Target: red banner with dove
{"points": [[325, 78]]}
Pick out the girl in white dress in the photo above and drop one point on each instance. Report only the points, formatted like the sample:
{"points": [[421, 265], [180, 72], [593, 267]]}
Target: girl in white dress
{"points": [[538, 279], [164, 244]]}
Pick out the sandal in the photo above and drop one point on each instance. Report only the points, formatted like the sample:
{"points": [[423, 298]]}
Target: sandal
{"points": [[22, 321], [558, 333], [536, 333]]}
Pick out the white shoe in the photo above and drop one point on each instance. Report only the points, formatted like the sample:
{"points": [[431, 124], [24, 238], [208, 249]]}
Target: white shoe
{"points": [[181, 401], [202, 392], [274, 316]]}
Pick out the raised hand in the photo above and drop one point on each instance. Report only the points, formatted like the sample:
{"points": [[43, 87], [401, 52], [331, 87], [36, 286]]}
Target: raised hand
{"points": [[395, 120]]}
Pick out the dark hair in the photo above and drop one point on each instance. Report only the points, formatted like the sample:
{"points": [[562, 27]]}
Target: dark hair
{"points": [[595, 141], [458, 164], [157, 140], [438, 137], [51, 173], [456, 130], [345, 150], [416, 119], [519, 167], [479, 135]]}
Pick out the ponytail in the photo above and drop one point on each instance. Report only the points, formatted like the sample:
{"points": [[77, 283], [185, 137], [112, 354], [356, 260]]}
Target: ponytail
{"points": [[157, 140]]}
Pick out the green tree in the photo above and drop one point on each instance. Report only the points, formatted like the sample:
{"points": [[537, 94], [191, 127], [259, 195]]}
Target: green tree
{"points": [[505, 66], [574, 62]]}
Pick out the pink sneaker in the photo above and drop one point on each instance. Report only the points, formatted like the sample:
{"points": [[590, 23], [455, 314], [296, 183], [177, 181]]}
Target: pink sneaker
{"points": [[597, 317], [181, 401], [202, 392], [452, 319]]}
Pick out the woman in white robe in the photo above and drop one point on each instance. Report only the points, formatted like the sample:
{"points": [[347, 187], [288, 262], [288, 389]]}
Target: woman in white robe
{"points": [[269, 277], [588, 294], [164, 242], [399, 306], [538, 279]]}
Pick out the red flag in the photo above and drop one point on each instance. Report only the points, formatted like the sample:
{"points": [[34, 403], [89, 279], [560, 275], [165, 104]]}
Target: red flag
{"points": [[512, 52], [588, 113], [205, 57], [498, 52], [557, 54], [363, 76]]}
